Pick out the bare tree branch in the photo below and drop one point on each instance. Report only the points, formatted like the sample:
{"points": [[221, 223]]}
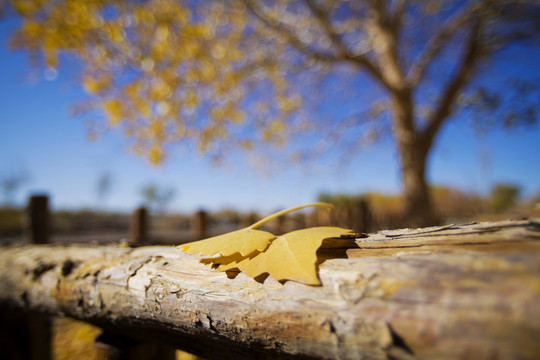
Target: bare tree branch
{"points": [[527, 19], [343, 54], [322, 18], [282, 29], [436, 43], [470, 55], [399, 11], [384, 34]]}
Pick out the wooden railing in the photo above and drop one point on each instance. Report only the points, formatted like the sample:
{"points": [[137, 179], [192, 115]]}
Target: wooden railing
{"points": [[453, 292], [143, 228]]}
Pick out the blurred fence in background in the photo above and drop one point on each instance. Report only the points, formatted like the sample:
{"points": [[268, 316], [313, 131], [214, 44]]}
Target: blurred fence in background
{"points": [[363, 214], [37, 223]]}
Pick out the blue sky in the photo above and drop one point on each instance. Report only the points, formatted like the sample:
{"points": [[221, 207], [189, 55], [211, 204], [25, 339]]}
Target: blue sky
{"points": [[38, 135]]}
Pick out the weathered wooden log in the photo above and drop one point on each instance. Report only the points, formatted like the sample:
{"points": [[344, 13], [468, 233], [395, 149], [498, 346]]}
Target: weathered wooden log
{"points": [[454, 292]]}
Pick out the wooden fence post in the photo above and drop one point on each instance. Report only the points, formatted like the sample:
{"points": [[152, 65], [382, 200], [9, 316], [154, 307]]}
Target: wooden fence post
{"points": [[39, 326], [37, 220], [299, 221], [139, 226], [280, 223], [341, 216], [360, 216], [200, 224], [320, 217], [28, 335], [249, 219]]}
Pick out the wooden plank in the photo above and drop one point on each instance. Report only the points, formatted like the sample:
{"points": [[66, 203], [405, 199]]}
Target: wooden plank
{"points": [[510, 236], [429, 294]]}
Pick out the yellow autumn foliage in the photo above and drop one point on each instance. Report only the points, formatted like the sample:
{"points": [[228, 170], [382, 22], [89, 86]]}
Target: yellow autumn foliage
{"points": [[164, 61], [114, 109]]}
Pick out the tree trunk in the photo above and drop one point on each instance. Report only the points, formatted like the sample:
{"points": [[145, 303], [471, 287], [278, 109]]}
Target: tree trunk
{"points": [[413, 150], [418, 209]]}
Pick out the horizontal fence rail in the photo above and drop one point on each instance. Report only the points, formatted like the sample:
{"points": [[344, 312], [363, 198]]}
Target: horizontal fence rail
{"points": [[458, 292], [41, 226]]}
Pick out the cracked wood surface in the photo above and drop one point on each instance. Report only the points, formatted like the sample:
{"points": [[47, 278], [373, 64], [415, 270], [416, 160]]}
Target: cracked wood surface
{"points": [[463, 292]]}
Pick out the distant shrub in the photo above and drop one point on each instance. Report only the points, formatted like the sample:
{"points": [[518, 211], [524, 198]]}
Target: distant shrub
{"points": [[11, 221], [503, 196]]}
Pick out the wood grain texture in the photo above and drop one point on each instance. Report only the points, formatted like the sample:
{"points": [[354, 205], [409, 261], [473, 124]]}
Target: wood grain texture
{"points": [[454, 292]]}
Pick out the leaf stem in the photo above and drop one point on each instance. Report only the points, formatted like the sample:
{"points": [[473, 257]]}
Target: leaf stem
{"points": [[283, 212]]}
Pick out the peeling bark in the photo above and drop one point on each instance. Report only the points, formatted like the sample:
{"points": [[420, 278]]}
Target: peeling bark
{"points": [[454, 292]]}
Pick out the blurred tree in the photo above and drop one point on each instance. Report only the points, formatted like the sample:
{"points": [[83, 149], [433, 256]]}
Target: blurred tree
{"points": [[10, 185], [336, 199], [170, 71], [503, 196], [104, 185], [157, 198], [454, 205], [227, 215]]}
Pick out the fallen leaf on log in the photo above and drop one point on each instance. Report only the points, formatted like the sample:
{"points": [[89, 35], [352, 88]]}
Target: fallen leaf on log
{"points": [[291, 256]]}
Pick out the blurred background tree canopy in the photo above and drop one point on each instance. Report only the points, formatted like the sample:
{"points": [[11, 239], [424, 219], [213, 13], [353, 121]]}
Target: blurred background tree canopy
{"points": [[238, 74], [10, 184], [503, 196], [157, 197]]}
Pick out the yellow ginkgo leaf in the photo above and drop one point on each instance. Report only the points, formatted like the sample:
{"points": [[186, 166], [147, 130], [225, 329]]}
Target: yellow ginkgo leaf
{"points": [[291, 256], [244, 242]]}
